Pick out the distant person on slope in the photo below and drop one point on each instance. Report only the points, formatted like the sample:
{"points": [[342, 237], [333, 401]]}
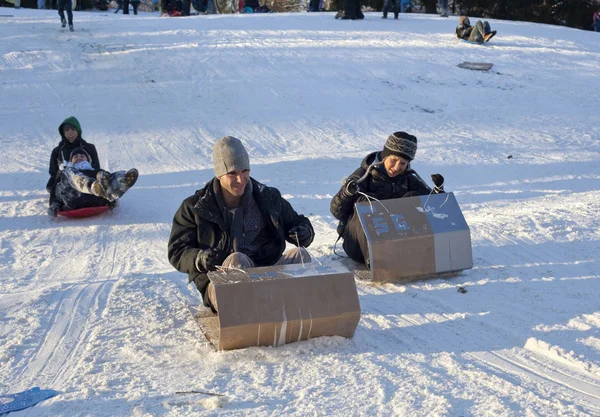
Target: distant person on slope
{"points": [[383, 175], [479, 33], [352, 11], [387, 5], [235, 221], [597, 21], [76, 180], [68, 6]]}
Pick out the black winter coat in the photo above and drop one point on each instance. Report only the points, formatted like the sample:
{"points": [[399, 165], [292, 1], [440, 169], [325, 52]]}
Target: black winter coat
{"points": [[199, 224], [463, 31], [378, 185]]}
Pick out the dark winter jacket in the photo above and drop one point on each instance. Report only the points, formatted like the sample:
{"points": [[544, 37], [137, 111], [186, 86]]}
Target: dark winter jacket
{"points": [[199, 224], [63, 151], [463, 31], [379, 185]]}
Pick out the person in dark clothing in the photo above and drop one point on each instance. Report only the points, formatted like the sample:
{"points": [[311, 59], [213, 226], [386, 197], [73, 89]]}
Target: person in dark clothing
{"points": [[61, 181], [479, 33], [68, 6], [81, 185], [596, 19], [382, 175], [387, 4], [70, 133], [352, 11], [234, 221]]}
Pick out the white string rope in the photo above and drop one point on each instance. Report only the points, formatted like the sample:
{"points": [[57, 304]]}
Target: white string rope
{"points": [[369, 198], [299, 249], [222, 268]]}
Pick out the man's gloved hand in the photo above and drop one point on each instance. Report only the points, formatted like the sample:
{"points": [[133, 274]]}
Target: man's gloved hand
{"points": [[438, 182], [53, 209], [351, 188], [303, 233], [207, 260]]}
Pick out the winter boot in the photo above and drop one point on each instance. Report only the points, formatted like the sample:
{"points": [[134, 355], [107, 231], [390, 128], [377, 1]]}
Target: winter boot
{"points": [[395, 16], [489, 36], [98, 190], [339, 14], [71, 28], [121, 182], [63, 22], [384, 16]]}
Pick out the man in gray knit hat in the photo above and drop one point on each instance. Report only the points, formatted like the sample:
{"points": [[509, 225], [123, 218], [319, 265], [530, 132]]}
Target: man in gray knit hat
{"points": [[384, 175], [235, 221]]}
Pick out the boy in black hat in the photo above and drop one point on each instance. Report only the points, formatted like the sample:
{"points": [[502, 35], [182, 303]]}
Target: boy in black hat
{"points": [[383, 175]]}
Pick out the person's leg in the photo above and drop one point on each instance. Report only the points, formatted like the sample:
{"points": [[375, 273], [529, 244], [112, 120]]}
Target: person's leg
{"points": [[61, 12], [77, 180], [135, 5], [65, 194], [477, 33], [117, 183], [238, 260], [396, 8], [294, 256], [386, 8], [17, 4], [41, 4], [355, 243], [235, 260], [486, 27], [69, 9]]}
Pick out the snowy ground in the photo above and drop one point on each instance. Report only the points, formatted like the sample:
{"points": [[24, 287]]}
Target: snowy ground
{"points": [[93, 309]]}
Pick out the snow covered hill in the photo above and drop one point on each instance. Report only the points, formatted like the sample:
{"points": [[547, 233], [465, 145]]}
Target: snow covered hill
{"points": [[92, 307]]}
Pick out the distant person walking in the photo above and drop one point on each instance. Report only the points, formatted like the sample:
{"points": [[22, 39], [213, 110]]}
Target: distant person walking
{"points": [[68, 6], [597, 21]]}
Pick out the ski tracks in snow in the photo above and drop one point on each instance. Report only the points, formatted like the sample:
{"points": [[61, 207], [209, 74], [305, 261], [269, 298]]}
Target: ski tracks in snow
{"points": [[63, 342]]}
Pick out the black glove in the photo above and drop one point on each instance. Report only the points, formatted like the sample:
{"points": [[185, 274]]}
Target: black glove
{"points": [[53, 209], [351, 188], [207, 260], [438, 182], [303, 233]]}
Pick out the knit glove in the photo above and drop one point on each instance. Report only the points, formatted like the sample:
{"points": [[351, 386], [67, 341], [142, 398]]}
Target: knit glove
{"points": [[300, 234], [438, 182], [206, 260]]}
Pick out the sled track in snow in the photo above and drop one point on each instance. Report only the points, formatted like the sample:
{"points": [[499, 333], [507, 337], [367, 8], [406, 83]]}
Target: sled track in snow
{"points": [[65, 335], [569, 384]]}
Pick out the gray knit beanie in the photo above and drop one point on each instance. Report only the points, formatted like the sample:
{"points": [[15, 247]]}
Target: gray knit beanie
{"points": [[401, 144], [229, 155]]}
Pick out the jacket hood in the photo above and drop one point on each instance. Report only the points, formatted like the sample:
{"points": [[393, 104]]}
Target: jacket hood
{"points": [[72, 121]]}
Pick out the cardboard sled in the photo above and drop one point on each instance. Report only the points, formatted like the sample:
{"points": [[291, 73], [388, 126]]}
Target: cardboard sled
{"points": [[275, 305], [412, 239]]}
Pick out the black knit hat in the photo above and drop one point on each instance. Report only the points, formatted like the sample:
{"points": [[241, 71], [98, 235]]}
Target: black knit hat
{"points": [[79, 151], [400, 144]]}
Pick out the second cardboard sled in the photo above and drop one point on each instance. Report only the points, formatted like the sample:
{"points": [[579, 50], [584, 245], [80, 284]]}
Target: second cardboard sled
{"points": [[414, 237], [277, 305]]}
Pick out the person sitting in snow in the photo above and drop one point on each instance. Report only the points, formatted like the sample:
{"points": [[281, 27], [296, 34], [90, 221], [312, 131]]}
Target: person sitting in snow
{"points": [[383, 175], [479, 33], [71, 183], [235, 221], [352, 11]]}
